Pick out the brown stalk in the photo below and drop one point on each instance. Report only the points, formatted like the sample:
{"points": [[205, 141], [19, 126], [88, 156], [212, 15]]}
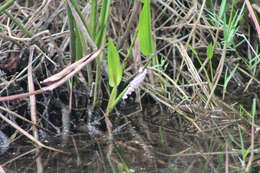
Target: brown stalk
{"points": [[227, 158], [251, 11], [136, 9], [192, 68], [59, 78], [192, 33], [256, 7], [33, 110]]}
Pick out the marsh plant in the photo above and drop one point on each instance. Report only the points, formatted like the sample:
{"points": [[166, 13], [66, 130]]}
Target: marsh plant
{"points": [[193, 66]]}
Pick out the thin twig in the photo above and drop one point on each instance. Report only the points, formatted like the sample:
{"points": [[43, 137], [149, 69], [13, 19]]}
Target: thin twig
{"points": [[251, 11], [59, 78], [33, 109], [136, 8]]}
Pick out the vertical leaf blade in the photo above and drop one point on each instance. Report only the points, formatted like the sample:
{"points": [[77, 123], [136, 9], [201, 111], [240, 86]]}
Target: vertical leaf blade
{"points": [[114, 68], [210, 51], [112, 99], [144, 30], [72, 26]]}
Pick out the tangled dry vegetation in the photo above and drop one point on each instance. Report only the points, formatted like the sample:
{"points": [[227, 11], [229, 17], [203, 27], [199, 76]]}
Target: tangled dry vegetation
{"points": [[196, 111]]}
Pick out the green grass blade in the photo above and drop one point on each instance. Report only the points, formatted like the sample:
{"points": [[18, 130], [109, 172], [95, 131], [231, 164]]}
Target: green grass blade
{"points": [[100, 41], [79, 44], [6, 5], [222, 9], [111, 101], [241, 140], [80, 23], [118, 98], [234, 140], [229, 77], [76, 38], [18, 23], [93, 18], [254, 108], [72, 25], [75, 5], [201, 64], [209, 56], [102, 21]]}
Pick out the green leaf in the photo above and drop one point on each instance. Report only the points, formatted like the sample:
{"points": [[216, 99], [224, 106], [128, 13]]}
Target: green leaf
{"points": [[6, 5], [79, 43], [210, 51], [103, 18], [77, 8], [72, 26], [93, 19], [114, 68], [222, 8], [111, 100], [144, 30], [76, 37], [229, 77], [210, 55]]}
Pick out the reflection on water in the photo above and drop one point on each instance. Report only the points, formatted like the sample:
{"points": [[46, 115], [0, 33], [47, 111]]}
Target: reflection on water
{"points": [[4, 143], [144, 141]]}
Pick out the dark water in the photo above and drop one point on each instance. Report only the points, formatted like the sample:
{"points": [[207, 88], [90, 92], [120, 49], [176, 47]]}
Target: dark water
{"points": [[143, 141], [4, 143]]}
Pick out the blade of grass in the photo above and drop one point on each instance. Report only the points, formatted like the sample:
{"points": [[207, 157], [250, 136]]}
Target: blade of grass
{"points": [[218, 74], [251, 158], [209, 56], [72, 26], [93, 18], [6, 5], [81, 25], [79, 44], [112, 98], [100, 40], [20, 25], [227, 80], [201, 64], [75, 5], [103, 18]]}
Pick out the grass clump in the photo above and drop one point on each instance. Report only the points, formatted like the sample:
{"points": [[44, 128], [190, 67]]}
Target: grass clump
{"points": [[175, 83]]}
